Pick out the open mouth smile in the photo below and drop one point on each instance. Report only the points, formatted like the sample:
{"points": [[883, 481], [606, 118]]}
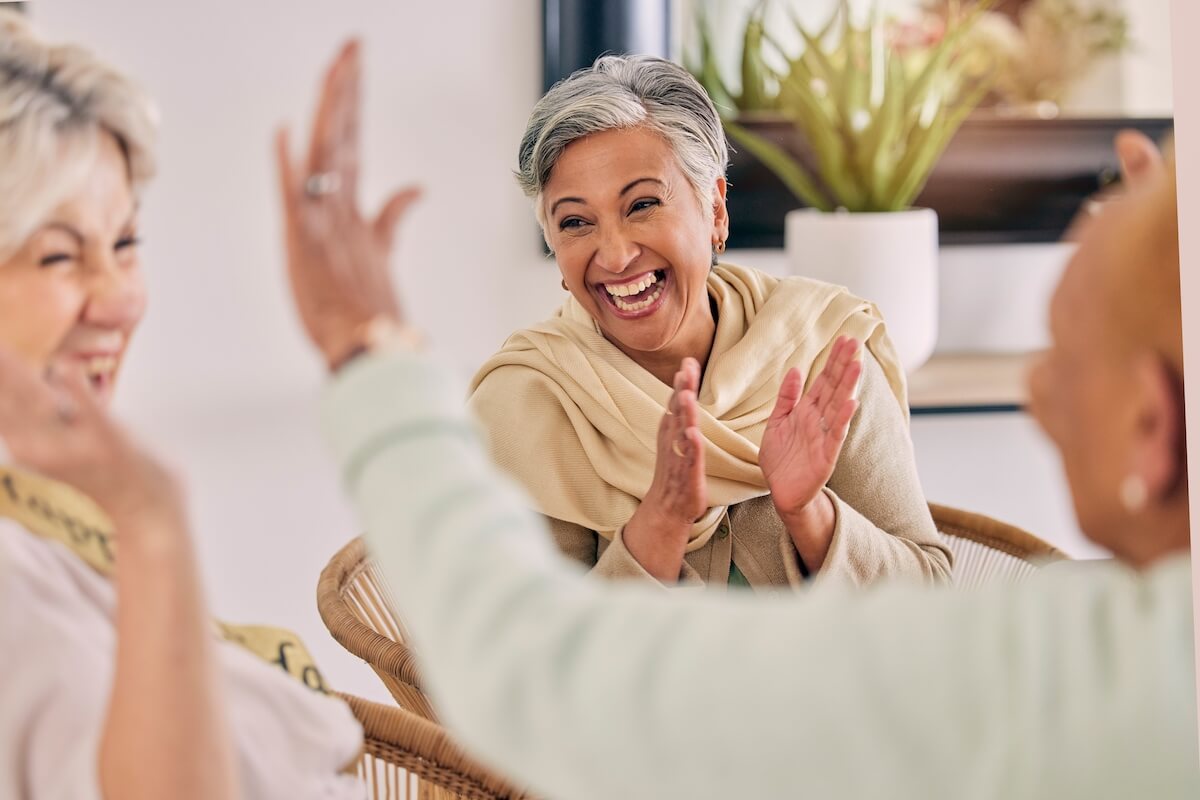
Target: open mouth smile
{"points": [[637, 297]]}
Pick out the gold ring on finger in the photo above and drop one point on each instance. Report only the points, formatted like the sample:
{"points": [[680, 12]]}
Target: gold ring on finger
{"points": [[675, 449]]}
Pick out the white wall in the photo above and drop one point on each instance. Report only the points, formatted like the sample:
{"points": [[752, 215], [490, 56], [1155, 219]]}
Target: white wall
{"points": [[219, 378]]}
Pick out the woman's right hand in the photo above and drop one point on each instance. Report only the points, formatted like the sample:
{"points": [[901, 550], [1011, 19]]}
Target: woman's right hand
{"points": [[657, 534], [338, 257]]}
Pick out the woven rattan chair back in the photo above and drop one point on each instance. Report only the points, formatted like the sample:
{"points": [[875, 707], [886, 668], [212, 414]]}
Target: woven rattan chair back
{"points": [[986, 550], [354, 602], [408, 757]]}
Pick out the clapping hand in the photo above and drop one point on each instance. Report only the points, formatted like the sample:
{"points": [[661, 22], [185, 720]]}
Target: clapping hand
{"points": [[804, 435]]}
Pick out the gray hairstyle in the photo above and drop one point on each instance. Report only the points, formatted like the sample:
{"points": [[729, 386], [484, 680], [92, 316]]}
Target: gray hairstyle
{"points": [[56, 102], [625, 92]]}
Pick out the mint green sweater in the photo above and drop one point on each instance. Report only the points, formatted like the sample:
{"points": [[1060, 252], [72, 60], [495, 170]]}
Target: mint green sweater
{"points": [[1072, 685]]}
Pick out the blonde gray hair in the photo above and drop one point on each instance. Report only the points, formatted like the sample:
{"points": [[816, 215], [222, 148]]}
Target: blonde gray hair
{"points": [[625, 92], [56, 102]]}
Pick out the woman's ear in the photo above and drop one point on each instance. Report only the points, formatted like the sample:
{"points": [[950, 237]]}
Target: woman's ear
{"points": [[719, 211], [1159, 447]]}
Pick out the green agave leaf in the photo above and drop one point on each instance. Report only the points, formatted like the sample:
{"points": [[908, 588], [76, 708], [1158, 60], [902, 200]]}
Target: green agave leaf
{"points": [[882, 140], [755, 96], [821, 128], [936, 143], [841, 11], [822, 67], [790, 171], [945, 49]]}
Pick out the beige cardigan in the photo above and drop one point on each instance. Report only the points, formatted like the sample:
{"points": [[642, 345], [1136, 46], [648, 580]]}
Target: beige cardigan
{"points": [[883, 527]]}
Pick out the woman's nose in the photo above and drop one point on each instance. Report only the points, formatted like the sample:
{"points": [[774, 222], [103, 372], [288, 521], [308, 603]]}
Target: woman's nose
{"points": [[116, 297], [616, 252]]}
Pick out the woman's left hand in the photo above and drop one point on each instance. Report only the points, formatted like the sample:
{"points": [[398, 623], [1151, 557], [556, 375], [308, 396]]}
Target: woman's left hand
{"points": [[804, 435], [338, 259]]}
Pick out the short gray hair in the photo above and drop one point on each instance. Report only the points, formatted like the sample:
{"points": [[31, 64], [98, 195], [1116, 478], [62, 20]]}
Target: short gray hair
{"points": [[56, 101], [625, 92]]}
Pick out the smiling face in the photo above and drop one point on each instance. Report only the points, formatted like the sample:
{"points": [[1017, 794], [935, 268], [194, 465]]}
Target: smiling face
{"points": [[634, 242], [73, 293]]}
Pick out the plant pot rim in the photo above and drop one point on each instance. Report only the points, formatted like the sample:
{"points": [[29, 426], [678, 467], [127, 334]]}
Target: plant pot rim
{"points": [[842, 213]]}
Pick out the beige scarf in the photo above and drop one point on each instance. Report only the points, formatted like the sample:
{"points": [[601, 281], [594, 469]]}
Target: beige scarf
{"points": [[575, 420]]}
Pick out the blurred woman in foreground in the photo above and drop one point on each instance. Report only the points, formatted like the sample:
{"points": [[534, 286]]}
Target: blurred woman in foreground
{"points": [[112, 682]]}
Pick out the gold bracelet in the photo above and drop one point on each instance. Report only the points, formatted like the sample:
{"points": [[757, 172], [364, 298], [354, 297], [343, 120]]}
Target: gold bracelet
{"points": [[381, 334]]}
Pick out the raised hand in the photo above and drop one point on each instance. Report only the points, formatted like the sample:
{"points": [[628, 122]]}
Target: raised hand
{"points": [[657, 535], [338, 260], [804, 435]]}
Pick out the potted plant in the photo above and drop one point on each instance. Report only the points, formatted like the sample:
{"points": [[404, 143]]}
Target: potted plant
{"points": [[874, 105]]}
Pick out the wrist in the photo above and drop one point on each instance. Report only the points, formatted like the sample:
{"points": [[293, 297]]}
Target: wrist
{"points": [[811, 530], [383, 332], [810, 520], [651, 514]]}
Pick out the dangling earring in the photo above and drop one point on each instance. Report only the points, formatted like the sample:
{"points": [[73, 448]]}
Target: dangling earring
{"points": [[718, 248], [564, 285], [1133, 493]]}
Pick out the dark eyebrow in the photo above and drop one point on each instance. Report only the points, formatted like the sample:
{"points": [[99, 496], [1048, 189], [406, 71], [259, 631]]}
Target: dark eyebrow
{"points": [[562, 200], [640, 180], [624, 191]]}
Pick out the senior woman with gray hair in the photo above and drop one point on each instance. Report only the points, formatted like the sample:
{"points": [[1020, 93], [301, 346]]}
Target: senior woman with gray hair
{"points": [[726, 469]]}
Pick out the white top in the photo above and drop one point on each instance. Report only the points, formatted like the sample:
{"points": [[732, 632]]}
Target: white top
{"points": [[57, 645], [1076, 684]]}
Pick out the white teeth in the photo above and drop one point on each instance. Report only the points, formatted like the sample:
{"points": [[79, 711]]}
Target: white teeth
{"points": [[627, 289], [100, 365], [638, 306]]}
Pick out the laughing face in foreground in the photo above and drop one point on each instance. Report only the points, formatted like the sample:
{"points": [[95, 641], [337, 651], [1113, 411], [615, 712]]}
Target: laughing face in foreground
{"points": [[73, 294], [75, 148]]}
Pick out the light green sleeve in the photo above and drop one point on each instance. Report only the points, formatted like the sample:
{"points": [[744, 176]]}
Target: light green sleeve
{"points": [[1074, 686]]}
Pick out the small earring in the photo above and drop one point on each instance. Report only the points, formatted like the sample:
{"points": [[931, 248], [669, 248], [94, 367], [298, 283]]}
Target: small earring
{"points": [[1133, 494], [721, 246], [564, 285]]}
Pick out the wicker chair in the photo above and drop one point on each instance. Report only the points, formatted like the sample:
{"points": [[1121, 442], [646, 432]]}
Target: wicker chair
{"points": [[987, 550], [357, 609], [354, 602], [407, 757]]}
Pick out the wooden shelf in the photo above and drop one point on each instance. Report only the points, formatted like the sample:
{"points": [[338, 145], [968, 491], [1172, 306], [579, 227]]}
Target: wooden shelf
{"points": [[970, 383]]}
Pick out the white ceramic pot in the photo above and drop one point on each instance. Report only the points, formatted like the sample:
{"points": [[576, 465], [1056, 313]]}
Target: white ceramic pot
{"points": [[889, 258]]}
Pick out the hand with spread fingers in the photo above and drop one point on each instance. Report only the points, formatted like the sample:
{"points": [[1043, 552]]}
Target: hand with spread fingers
{"points": [[338, 259], [658, 532], [801, 445]]}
